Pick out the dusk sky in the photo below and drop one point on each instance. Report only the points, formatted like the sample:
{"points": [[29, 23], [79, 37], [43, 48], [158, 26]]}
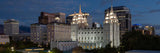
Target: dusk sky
{"points": [[27, 11]]}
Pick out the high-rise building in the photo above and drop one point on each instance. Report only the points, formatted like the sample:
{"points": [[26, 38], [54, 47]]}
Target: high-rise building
{"points": [[82, 19], [46, 18], [11, 27], [38, 33], [124, 17], [58, 32]]}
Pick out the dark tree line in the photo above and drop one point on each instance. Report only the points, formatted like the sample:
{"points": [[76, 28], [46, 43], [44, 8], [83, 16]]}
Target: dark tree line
{"points": [[135, 40]]}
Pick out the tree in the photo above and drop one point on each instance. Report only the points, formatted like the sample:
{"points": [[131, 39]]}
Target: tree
{"points": [[77, 50], [135, 40], [55, 50]]}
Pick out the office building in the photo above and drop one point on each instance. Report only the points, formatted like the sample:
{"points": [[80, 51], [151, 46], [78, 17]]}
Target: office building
{"points": [[46, 18], [58, 32], [38, 33], [11, 27]]}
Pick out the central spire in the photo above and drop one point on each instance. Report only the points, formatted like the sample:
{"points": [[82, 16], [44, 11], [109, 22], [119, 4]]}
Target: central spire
{"points": [[111, 9], [80, 9]]}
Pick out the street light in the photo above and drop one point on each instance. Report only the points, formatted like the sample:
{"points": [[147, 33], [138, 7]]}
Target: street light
{"points": [[49, 51], [12, 49]]}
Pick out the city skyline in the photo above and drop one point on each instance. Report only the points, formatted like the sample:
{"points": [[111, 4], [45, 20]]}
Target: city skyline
{"points": [[27, 12], [79, 26]]}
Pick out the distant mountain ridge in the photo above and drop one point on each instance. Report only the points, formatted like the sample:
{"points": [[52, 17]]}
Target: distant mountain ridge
{"points": [[22, 29]]}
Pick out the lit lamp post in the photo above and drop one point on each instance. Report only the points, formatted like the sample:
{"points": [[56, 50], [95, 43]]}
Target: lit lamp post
{"points": [[12, 49], [49, 51]]}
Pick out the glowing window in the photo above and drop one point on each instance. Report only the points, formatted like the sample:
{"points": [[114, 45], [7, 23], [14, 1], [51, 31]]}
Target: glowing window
{"points": [[106, 21], [87, 46], [84, 46], [106, 18], [90, 46], [94, 46], [111, 16]]}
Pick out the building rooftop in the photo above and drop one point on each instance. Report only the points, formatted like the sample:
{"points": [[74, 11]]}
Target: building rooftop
{"points": [[59, 23], [10, 20]]}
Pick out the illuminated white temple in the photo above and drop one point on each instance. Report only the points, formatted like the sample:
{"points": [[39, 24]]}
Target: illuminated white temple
{"points": [[96, 37], [80, 18], [111, 27]]}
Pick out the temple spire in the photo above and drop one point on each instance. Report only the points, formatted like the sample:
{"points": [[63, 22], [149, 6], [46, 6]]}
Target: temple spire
{"points": [[80, 9], [111, 11]]}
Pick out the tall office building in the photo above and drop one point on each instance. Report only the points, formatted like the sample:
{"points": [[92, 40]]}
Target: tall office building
{"points": [[124, 17], [38, 33], [58, 32], [46, 18], [11, 27]]}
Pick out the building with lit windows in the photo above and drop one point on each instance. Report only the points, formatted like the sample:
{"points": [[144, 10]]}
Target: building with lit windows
{"points": [[46, 18], [124, 17], [38, 33], [96, 37], [91, 38], [145, 29], [4, 39], [11, 27], [58, 32]]}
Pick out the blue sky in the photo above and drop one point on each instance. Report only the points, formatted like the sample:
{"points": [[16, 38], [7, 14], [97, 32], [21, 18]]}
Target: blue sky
{"points": [[27, 11]]}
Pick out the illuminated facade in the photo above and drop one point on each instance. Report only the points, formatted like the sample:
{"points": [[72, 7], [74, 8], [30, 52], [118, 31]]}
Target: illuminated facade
{"points": [[11, 27], [124, 17], [80, 19], [97, 37], [111, 28], [91, 38]]}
